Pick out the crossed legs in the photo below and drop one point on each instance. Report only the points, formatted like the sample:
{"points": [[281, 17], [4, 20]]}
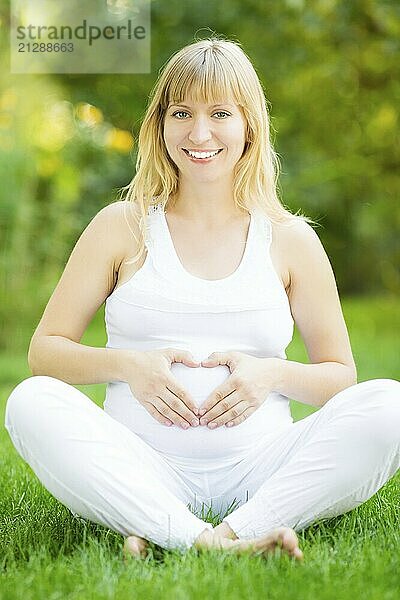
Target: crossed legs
{"points": [[96, 466], [322, 466]]}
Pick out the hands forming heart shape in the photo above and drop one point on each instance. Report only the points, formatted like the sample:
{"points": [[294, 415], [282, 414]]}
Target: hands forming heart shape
{"points": [[250, 381], [172, 388]]}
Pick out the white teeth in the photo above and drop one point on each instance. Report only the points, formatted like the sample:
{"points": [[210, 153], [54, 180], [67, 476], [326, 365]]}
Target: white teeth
{"points": [[202, 154]]}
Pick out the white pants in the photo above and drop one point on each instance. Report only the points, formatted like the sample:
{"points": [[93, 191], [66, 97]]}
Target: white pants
{"points": [[321, 466]]}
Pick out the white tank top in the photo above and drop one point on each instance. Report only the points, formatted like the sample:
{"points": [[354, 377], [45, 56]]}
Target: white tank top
{"points": [[163, 305]]}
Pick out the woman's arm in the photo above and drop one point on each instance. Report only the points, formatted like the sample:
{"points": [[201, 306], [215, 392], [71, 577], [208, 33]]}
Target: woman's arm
{"points": [[76, 363], [316, 310], [312, 384], [88, 279]]}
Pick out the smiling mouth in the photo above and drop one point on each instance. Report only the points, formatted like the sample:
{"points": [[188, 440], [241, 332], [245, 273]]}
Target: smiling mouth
{"points": [[202, 155]]}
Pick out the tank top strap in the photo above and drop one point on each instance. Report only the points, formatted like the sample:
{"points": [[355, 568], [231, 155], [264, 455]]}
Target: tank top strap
{"points": [[263, 232], [157, 243], [151, 234]]}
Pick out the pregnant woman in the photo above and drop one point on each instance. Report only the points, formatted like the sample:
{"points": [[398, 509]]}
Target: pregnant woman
{"points": [[203, 273]]}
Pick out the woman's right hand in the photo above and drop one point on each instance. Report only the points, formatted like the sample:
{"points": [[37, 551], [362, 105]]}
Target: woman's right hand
{"points": [[148, 374]]}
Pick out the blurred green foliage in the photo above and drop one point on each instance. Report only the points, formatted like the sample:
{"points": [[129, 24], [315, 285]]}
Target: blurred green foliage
{"points": [[330, 71]]}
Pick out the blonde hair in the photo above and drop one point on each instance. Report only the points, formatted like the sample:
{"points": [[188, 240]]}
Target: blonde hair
{"points": [[207, 71]]}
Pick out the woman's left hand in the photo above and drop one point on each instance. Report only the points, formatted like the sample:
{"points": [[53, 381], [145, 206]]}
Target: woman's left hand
{"points": [[250, 382]]}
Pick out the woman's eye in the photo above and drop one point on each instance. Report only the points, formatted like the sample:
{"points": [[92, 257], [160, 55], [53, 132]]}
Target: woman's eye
{"points": [[183, 112], [179, 112]]}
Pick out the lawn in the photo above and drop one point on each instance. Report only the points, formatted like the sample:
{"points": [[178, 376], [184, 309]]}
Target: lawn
{"points": [[47, 553]]}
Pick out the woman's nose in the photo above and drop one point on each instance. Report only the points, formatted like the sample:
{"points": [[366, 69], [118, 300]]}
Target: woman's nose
{"points": [[200, 131]]}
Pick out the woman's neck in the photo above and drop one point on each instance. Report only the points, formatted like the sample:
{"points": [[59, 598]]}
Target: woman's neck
{"points": [[208, 210]]}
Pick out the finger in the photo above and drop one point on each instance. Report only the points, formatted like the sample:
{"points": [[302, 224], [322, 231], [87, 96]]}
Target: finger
{"points": [[178, 406], [212, 362], [156, 414], [245, 415], [228, 387], [163, 408], [222, 407], [217, 358], [182, 356], [230, 415], [185, 400]]}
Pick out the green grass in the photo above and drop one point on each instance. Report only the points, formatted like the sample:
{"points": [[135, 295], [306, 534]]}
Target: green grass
{"points": [[47, 553]]}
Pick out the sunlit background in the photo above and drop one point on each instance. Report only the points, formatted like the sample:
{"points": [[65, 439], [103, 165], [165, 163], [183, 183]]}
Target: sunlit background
{"points": [[330, 70]]}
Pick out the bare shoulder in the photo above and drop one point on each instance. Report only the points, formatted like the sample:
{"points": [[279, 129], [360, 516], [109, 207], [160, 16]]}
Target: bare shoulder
{"points": [[295, 243], [88, 277], [294, 232], [119, 212], [314, 297], [120, 216]]}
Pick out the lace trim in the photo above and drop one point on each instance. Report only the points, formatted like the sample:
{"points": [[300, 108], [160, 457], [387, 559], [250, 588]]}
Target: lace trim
{"points": [[155, 208]]}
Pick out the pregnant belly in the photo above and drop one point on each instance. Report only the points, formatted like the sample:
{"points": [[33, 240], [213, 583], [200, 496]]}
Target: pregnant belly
{"points": [[195, 442]]}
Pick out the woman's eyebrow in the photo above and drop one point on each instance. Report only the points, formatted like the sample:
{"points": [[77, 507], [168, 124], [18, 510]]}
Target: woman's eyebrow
{"points": [[213, 106]]}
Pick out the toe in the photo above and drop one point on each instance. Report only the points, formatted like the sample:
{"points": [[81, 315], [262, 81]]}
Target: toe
{"points": [[297, 553], [286, 539], [134, 546], [290, 543]]}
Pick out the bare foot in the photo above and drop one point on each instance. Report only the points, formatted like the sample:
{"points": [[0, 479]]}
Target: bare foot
{"points": [[225, 531], [135, 546], [282, 537]]}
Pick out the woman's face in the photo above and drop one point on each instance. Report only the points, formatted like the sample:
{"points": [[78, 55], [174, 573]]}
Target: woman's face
{"points": [[205, 128]]}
